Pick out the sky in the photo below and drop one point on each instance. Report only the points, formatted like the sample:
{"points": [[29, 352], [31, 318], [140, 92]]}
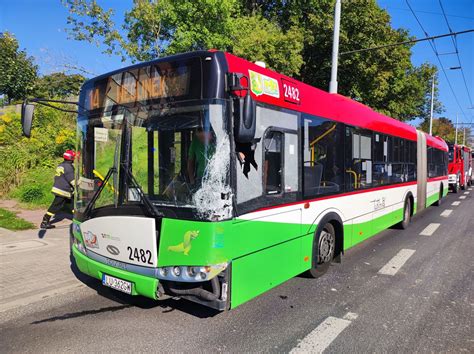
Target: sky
{"points": [[39, 25]]}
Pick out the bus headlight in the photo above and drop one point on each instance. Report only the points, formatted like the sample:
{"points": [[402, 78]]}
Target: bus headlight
{"points": [[190, 273], [79, 245], [76, 228]]}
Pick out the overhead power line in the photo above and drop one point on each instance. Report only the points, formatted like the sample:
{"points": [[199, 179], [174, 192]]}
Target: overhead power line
{"points": [[407, 42], [455, 43], [439, 60]]}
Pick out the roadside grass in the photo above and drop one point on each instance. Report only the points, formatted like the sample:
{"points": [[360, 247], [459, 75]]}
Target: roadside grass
{"points": [[9, 220], [35, 189]]}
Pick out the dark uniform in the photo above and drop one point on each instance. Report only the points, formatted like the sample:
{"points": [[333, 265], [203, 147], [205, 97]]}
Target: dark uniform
{"points": [[62, 190]]}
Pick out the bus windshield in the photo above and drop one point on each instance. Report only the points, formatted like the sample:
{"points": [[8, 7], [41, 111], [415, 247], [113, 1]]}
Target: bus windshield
{"points": [[172, 156]]}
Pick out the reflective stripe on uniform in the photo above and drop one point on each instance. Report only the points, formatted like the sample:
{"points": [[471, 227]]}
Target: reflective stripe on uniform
{"points": [[49, 213], [61, 192]]}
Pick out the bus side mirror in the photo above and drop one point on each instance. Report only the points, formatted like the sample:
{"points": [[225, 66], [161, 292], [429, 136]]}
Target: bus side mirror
{"points": [[245, 119], [27, 110]]}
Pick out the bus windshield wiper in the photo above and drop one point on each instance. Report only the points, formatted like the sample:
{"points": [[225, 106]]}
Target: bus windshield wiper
{"points": [[143, 198], [96, 195]]}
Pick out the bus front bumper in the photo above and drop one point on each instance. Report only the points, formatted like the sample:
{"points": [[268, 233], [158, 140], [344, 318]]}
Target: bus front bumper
{"points": [[141, 285]]}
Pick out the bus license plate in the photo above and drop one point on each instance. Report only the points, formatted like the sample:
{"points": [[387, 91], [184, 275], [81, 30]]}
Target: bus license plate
{"points": [[117, 284]]}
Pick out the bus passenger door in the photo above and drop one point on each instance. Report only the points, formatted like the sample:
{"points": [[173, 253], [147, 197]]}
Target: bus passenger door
{"points": [[267, 249], [358, 176]]}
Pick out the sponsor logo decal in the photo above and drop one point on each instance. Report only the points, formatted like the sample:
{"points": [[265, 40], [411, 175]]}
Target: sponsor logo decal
{"points": [[91, 240], [113, 250], [263, 85], [109, 237], [185, 246]]}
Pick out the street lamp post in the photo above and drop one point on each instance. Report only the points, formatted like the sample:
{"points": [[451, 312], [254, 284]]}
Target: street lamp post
{"points": [[335, 47], [432, 103], [456, 133]]}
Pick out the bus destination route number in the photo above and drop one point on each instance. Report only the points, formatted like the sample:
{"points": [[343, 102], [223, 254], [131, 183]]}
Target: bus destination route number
{"points": [[291, 92]]}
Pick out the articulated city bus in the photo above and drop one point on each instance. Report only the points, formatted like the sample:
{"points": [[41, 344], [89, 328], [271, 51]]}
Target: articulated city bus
{"points": [[213, 179]]}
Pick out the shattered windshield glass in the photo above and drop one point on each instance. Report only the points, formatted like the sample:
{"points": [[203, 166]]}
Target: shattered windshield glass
{"points": [[176, 156]]}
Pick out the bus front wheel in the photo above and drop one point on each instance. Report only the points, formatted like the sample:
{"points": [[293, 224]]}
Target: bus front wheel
{"points": [[326, 246]]}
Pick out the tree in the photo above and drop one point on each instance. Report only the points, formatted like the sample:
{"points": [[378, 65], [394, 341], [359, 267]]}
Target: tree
{"points": [[383, 79], [152, 29], [18, 71], [444, 128], [256, 38], [58, 85], [286, 34]]}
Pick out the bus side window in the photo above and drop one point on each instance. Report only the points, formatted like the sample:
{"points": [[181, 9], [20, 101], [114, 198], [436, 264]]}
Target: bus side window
{"points": [[323, 157], [358, 166], [273, 162]]}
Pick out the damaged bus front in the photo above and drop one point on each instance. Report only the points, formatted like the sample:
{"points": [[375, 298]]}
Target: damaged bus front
{"points": [[153, 179]]}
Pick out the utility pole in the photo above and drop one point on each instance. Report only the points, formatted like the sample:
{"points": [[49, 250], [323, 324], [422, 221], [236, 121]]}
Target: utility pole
{"points": [[432, 103], [456, 137], [335, 47], [464, 137]]}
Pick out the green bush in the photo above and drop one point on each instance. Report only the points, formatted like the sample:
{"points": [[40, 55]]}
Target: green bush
{"points": [[31, 193]]}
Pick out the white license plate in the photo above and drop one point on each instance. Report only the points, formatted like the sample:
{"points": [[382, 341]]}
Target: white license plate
{"points": [[117, 284]]}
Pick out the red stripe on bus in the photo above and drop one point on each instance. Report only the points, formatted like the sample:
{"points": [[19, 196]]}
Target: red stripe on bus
{"points": [[331, 106], [338, 195], [442, 178]]}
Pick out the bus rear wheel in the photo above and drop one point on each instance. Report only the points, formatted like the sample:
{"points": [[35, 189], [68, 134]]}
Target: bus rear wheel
{"points": [[440, 200], [326, 239], [406, 215]]}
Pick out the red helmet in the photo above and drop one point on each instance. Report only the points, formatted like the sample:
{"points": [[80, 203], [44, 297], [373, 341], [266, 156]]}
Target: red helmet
{"points": [[69, 155]]}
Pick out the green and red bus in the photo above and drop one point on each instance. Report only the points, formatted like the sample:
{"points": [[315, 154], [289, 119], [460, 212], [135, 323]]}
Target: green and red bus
{"points": [[211, 178]]}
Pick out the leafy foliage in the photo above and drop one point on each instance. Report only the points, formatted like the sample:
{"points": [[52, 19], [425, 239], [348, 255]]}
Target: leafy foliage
{"points": [[256, 38], [30, 193], [18, 71], [53, 132], [286, 34], [152, 29], [445, 128], [58, 85], [383, 79]]}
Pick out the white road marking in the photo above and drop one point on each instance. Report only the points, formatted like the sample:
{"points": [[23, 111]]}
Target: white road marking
{"points": [[466, 192], [456, 203], [322, 336], [462, 197], [430, 229], [350, 316], [446, 213], [394, 265]]}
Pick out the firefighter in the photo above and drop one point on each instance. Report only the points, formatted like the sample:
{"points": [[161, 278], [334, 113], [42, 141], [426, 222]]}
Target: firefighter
{"points": [[62, 188]]}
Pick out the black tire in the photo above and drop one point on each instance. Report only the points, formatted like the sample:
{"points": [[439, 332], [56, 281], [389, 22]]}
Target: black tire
{"points": [[326, 238], [440, 200], [456, 185], [406, 215]]}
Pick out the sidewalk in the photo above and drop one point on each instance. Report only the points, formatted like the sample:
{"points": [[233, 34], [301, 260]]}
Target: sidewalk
{"points": [[34, 263]]}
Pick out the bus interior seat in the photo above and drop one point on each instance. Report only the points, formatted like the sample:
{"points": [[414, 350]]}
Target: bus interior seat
{"points": [[312, 178]]}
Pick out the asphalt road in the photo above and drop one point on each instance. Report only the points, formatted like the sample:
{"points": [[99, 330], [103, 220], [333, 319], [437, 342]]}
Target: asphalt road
{"points": [[426, 305]]}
